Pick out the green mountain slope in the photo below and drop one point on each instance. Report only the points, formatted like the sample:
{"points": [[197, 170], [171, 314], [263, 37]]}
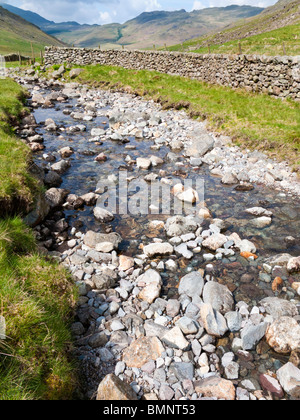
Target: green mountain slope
{"points": [[16, 35], [275, 31]]}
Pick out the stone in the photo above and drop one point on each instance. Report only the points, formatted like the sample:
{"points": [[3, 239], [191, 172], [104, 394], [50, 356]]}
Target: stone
{"points": [[246, 246], [234, 321], [166, 393], [232, 370], [61, 167], [102, 215], [283, 335], [150, 292], [191, 285], [113, 389], [142, 351], [182, 250], [75, 73], [182, 370], [188, 196], [125, 263], [91, 239], [98, 340], [219, 296], [158, 249], [173, 308], [278, 308], [150, 276], [259, 212], [179, 225], [229, 179], [187, 325], [252, 334], [289, 378], [213, 321], [200, 144], [262, 222], [105, 247], [215, 387], [215, 241], [56, 197], [271, 384], [293, 265], [175, 339], [143, 163]]}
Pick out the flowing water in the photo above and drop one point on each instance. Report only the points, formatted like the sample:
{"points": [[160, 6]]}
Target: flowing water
{"points": [[224, 202]]}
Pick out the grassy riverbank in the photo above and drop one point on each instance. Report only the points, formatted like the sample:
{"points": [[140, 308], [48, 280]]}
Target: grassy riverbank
{"points": [[36, 295], [253, 120]]}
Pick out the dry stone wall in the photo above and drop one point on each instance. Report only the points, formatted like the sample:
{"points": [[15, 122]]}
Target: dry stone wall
{"points": [[278, 76]]}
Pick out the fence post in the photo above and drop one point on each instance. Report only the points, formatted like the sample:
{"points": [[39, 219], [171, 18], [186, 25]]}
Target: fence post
{"points": [[284, 50], [209, 49], [42, 58], [32, 52], [240, 49], [20, 59]]}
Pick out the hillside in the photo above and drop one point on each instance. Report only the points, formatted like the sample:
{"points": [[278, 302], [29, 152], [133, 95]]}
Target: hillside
{"points": [[16, 34], [158, 27], [262, 34]]}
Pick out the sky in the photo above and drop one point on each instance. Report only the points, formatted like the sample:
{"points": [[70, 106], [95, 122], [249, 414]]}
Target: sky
{"points": [[107, 11]]}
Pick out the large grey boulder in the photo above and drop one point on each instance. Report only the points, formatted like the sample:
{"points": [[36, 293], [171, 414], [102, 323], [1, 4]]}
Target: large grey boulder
{"points": [[278, 308], [219, 296], [191, 284]]}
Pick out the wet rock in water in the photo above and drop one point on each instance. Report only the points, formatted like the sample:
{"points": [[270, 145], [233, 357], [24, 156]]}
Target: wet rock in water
{"points": [[90, 199], [142, 351], [158, 249], [53, 179], [91, 239], [278, 308], [61, 167], [187, 195], [191, 285], [259, 212], [102, 215], [219, 296], [215, 387], [113, 389], [213, 321], [229, 179], [182, 250], [262, 222], [215, 241], [179, 225], [143, 163], [289, 378], [56, 196], [66, 152], [101, 158], [283, 335]]}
